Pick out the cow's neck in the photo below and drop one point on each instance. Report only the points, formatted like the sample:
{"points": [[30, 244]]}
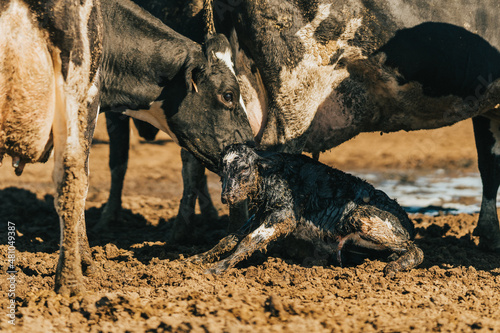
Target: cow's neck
{"points": [[140, 55]]}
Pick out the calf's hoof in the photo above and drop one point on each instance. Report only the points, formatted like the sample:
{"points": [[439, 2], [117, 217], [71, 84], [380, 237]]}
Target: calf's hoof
{"points": [[390, 270], [406, 261], [196, 259], [218, 268]]}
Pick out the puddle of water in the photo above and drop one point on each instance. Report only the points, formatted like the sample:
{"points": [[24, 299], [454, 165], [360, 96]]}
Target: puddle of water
{"points": [[430, 193]]}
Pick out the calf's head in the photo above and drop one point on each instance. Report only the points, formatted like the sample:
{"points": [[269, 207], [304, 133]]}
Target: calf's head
{"points": [[239, 173], [211, 114]]}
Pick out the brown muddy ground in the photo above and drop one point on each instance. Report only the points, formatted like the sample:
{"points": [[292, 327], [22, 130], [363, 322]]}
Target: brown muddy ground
{"points": [[144, 285]]}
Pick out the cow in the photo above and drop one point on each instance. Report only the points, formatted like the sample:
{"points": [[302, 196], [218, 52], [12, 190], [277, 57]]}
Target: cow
{"points": [[295, 194], [329, 70], [61, 60], [194, 20], [334, 69]]}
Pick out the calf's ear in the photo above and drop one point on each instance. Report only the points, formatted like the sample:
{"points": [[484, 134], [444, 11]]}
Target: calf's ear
{"points": [[264, 163]]}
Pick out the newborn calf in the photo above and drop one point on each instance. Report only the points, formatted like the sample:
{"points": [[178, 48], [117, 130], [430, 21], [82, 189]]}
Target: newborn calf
{"points": [[294, 193]]}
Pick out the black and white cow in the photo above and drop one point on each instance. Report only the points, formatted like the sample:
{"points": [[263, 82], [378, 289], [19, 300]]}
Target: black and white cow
{"points": [[192, 19], [60, 60], [334, 69]]}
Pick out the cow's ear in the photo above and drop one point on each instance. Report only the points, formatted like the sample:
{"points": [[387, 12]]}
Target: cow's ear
{"points": [[191, 79], [235, 48], [194, 86], [212, 58]]}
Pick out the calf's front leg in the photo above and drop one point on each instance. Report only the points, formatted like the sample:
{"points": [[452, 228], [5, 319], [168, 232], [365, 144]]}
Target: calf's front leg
{"points": [[225, 245], [276, 224]]}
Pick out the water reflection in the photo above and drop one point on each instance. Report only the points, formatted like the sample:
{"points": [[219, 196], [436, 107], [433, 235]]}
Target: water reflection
{"points": [[430, 193]]}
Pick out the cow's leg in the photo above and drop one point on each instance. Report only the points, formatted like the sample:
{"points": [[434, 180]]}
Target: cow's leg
{"points": [[71, 182], [73, 127], [118, 127], [146, 130], [225, 245], [207, 207], [88, 266], [487, 134], [277, 224], [195, 187]]}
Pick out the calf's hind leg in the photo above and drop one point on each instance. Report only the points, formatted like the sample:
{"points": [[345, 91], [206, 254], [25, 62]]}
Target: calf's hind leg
{"points": [[383, 231], [412, 257], [487, 134]]}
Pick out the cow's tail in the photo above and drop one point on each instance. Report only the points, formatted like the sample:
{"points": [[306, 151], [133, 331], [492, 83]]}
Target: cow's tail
{"points": [[27, 86], [208, 18]]}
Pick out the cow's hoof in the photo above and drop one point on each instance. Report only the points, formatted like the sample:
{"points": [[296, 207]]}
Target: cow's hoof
{"points": [[70, 287], [90, 269], [393, 257], [488, 240], [180, 231], [109, 216], [413, 257], [210, 213], [489, 244]]}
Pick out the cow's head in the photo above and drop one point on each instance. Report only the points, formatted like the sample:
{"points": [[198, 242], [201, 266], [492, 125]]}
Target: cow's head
{"points": [[210, 114], [239, 173]]}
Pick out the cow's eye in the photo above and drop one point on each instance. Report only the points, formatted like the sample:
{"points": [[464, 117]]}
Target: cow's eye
{"points": [[228, 97]]}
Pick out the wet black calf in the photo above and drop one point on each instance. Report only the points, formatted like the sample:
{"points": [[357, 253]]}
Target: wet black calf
{"points": [[294, 193]]}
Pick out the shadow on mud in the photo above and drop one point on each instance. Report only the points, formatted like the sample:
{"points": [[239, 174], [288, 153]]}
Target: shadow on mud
{"points": [[38, 231], [449, 251]]}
